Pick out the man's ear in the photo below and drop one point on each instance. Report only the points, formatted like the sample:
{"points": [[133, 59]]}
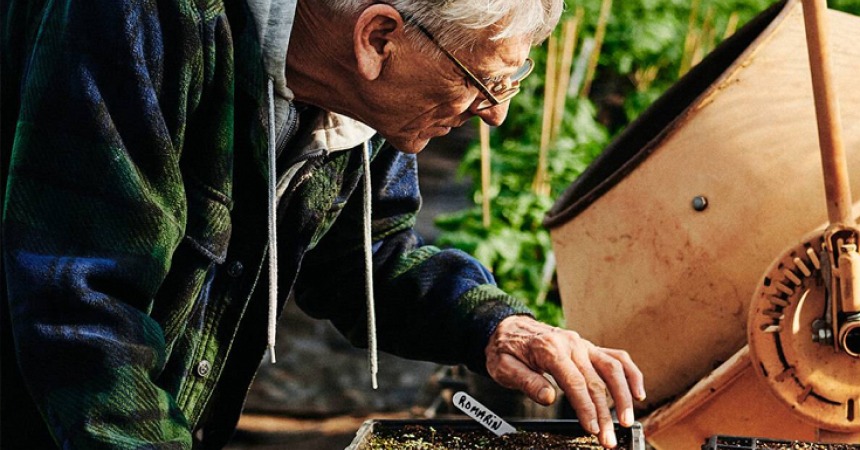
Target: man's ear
{"points": [[375, 37]]}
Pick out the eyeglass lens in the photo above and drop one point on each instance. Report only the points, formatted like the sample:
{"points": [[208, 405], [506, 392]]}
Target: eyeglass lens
{"points": [[508, 88]]}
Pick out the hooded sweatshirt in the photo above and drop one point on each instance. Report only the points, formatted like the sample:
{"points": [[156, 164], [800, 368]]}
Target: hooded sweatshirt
{"points": [[152, 158]]}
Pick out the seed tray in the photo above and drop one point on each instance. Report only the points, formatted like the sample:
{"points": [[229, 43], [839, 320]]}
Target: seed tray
{"points": [[752, 443], [633, 436]]}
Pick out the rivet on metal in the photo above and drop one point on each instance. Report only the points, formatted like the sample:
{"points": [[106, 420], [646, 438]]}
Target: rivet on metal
{"points": [[700, 203]]}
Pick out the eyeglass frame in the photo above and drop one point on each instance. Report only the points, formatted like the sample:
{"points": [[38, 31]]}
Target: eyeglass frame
{"points": [[482, 88]]}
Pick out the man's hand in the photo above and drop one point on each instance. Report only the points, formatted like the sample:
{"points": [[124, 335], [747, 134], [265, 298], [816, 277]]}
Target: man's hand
{"points": [[522, 349]]}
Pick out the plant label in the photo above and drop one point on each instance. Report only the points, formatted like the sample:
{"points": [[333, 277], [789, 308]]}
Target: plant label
{"points": [[482, 414]]}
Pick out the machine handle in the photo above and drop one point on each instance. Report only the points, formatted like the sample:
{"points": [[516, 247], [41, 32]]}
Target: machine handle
{"points": [[841, 235], [833, 159]]}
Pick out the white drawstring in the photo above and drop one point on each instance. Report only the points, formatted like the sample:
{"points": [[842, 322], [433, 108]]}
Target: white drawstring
{"points": [[368, 272], [273, 247], [273, 242]]}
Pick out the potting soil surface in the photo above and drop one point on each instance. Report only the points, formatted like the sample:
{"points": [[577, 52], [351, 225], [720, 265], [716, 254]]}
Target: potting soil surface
{"points": [[418, 437]]}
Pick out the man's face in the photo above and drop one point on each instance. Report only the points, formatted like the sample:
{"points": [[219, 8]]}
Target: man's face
{"points": [[428, 94]]}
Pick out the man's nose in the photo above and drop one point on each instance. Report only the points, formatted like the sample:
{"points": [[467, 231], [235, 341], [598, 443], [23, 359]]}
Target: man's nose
{"points": [[493, 116]]}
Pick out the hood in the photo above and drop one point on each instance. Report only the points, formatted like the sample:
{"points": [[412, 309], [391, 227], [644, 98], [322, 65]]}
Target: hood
{"points": [[274, 21]]}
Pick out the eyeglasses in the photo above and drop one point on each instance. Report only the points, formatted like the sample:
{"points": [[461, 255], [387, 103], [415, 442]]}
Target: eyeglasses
{"points": [[494, 91]]}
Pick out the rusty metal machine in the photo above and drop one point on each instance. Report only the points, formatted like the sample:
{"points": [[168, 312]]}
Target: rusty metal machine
{"points": [[716, 239]]}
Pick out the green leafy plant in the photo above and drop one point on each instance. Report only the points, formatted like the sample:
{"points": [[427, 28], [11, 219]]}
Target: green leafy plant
{"points": [[647, 46]]}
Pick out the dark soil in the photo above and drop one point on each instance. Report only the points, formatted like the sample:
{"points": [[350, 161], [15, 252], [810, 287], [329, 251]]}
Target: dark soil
{"points": [[419, 437]]}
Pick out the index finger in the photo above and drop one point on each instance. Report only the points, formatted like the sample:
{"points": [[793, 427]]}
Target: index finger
{"points": [[612, 372], [634, 376], [575, 375]]}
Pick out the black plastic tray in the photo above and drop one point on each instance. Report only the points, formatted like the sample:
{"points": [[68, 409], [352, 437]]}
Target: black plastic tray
{"points": [[633, 435], [752, 443]]}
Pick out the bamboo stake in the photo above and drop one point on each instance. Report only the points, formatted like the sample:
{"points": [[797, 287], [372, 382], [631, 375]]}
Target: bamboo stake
{"points": [[643, 77], [731, 26], [569, 35], [705, 42], [600, 33], [690, 39], [484, 131], [548, 271], [540, 180], [579, 66], [690, 54], [833, 159]]}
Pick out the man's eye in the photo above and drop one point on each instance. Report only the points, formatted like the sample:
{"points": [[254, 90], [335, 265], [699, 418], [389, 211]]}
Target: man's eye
{"points": [[493, 80]]}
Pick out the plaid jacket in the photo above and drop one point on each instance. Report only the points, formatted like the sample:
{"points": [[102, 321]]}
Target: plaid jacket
{"points": [[134, 229]]}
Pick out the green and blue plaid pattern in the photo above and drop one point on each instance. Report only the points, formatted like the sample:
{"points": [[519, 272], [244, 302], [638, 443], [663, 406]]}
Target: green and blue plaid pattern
{"points": [[134, 218]]}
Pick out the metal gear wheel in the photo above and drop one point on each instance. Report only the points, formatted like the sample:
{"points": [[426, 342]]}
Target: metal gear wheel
{"points": [[791, 344]]}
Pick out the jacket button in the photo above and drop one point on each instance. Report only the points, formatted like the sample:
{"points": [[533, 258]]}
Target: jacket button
{"points": [[203, 368], [235, 270]]}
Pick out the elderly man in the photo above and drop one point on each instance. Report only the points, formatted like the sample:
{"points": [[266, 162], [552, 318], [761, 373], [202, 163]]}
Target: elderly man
{"points": [[176, 168]]}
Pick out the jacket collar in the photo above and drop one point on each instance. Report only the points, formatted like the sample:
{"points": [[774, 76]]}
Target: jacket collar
{"points": [[335, 132]]}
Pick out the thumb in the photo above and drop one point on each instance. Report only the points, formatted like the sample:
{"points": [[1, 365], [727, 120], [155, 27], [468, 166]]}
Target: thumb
{"points": [[519, 376], [539, 389]]}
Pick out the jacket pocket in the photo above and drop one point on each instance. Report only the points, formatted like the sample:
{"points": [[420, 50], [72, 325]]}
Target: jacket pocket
{"points": [[185, 289], [209, 226]]}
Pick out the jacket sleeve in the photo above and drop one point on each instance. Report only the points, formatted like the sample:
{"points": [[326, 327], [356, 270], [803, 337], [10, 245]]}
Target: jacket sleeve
{"points": [[94, 208], [431, 304]]}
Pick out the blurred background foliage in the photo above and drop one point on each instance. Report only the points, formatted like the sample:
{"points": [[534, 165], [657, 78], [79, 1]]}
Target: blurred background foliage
{"points": [[608, 62]]}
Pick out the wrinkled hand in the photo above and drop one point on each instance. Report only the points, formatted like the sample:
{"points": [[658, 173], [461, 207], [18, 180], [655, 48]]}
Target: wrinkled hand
{"points": [[522, 349]]}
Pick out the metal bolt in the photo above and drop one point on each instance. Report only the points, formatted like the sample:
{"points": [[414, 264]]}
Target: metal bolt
{"points": [[821, 332], [700, 203]]}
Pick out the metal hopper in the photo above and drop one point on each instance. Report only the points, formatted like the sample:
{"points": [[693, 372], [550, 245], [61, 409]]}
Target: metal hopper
{"points": [[697, 231]]}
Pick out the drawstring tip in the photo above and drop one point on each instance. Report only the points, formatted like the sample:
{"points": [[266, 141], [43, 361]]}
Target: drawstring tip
{"points": [[272, 353], [373, 381]]}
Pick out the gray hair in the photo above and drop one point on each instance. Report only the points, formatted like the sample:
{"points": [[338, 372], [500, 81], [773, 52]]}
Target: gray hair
{"points": [[454, 22]]}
